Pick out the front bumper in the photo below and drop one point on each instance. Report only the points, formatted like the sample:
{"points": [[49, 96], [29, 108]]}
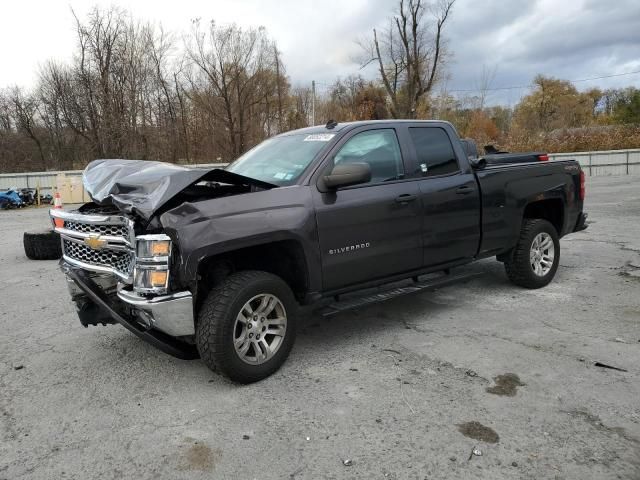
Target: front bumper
{"points": [[157, 321], [173, 313]]}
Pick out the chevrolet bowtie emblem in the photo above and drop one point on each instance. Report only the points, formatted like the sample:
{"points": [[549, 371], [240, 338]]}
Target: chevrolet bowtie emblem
{"points": [[95, 242]]}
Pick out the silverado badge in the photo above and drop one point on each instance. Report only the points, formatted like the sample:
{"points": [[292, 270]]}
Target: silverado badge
{"points": [[95, 242]]}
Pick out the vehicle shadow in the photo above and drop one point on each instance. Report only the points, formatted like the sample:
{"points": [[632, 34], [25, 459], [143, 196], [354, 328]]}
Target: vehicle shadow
{"points": [[321, 336], [406, 312]]}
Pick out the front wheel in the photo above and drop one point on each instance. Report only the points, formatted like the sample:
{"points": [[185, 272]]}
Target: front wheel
{"points": [[534, 260], [246, 326]]}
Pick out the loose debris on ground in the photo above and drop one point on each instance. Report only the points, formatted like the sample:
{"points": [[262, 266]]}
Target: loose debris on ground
{"points": [[506, 385], [478, 431], [604, 365]]}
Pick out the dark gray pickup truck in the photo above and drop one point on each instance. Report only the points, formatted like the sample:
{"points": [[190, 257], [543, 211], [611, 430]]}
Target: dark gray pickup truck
{"points": [[215, 262]]}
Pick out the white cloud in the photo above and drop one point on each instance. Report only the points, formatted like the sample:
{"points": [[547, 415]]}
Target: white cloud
{"points": [[573, 39]]}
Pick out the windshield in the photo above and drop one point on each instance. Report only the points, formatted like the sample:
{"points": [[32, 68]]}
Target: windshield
{"points": [[280, 160]]}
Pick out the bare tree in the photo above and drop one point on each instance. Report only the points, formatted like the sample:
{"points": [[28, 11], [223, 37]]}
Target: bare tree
{"points": [[409, 53], [484, 85], [128, 93], [279, 80], [25, 111], [6, 117], [299, 112], [236, 72]]}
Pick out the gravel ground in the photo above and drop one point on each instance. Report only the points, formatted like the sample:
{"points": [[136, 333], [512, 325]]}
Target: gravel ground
{"points": [[401, 390]]}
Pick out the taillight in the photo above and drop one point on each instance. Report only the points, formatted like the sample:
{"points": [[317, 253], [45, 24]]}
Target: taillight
{"points": [[582, 190], [543, 158]]}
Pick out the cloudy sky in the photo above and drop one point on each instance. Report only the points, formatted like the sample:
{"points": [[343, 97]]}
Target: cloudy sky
{"points": [[572, 39]]}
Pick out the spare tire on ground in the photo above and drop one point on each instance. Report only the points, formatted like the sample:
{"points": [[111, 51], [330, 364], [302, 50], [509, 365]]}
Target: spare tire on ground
{"points": [[42, 245]]}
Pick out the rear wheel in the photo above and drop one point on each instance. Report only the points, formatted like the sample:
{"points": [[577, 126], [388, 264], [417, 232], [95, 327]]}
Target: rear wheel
{"points": [[534, 261], [246, 326]]}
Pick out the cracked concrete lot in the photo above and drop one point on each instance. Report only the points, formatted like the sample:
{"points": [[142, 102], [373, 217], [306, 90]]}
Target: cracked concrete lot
{"points": [[401, 390]]}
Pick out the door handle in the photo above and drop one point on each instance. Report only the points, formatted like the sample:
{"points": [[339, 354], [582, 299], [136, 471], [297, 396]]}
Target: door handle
{"points": [[406, 198], [464, 190]]}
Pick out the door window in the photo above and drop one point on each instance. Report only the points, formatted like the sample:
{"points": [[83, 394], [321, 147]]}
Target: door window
{"points": [[378, 148], [434, 150]]}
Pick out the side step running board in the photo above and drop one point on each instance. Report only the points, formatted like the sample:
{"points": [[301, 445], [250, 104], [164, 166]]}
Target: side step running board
{"points": [[421, 286]]}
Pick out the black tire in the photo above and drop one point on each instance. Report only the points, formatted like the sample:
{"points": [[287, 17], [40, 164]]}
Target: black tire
{"points": [[42, 245], [518, 265], [216, 325]]}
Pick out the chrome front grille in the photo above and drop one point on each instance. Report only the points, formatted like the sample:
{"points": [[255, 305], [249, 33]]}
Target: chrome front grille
{"points": [[103, 243], [119, 260], [112, 230]]}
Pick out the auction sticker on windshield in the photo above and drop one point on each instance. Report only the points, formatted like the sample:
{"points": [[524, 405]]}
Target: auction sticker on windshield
{"points": [[319, 137]]}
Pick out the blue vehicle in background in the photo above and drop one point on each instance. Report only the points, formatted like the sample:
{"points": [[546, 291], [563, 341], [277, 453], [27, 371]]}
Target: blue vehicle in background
{"points": [[10, 199]]}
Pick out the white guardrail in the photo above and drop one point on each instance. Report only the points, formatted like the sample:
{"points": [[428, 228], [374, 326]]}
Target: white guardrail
{"points": [[605, 162], [69, 183]]}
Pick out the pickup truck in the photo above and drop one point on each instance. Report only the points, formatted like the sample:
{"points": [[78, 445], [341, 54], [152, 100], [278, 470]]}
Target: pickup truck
{"points": [[215, 263]]}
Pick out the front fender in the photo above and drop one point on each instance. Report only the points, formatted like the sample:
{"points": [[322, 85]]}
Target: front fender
{"points": [[212, 227]]}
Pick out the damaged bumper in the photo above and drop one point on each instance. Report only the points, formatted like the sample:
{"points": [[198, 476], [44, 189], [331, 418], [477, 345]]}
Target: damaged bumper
{"points": [[173, 313], [156, 320]]}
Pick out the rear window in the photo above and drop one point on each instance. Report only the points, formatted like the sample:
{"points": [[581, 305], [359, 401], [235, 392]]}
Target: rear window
{"points": [[434, 150]]}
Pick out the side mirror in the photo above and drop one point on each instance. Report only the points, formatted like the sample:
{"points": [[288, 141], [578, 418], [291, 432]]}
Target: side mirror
{"points": [[478, 162], [344, 175]]}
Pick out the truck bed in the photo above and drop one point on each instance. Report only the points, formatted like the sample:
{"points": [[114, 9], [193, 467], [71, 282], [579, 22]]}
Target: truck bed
{"points": [[508, 188]]}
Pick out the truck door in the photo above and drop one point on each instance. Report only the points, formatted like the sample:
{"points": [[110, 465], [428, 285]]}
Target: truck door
{"points": [[449, 198], [371, 230]]}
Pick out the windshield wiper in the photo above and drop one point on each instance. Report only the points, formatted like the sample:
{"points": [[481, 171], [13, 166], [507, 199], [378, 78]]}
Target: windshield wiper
{"points": [[225, 176]]}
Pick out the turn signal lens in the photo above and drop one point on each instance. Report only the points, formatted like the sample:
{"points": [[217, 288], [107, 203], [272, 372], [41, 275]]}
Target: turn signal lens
{"points": [[160, 249], [158, 279], [147, 280]]}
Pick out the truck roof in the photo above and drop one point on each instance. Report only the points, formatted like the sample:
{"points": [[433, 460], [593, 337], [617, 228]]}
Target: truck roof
{"points": [[336, 127]]}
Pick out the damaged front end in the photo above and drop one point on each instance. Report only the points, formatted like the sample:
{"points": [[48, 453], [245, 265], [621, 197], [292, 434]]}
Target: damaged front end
{"points": [[115, 276], [118, 261]]}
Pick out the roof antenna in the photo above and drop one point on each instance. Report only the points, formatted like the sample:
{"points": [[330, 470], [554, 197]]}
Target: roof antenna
{"points": [[331, 124]]}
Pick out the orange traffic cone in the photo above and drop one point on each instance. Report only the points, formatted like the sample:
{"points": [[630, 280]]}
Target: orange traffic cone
{"points": [[57, 204], [57, 200]]}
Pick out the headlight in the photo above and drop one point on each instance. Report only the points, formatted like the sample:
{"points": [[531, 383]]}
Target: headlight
{"points": [[153, 248], [151, 273]]}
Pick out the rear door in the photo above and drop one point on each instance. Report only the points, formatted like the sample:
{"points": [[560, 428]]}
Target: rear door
{"points": [[371, 230], [449, 196]]}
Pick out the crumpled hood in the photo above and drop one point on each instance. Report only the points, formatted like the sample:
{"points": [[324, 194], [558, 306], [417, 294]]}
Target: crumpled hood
{"points": [[142, 186]]}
